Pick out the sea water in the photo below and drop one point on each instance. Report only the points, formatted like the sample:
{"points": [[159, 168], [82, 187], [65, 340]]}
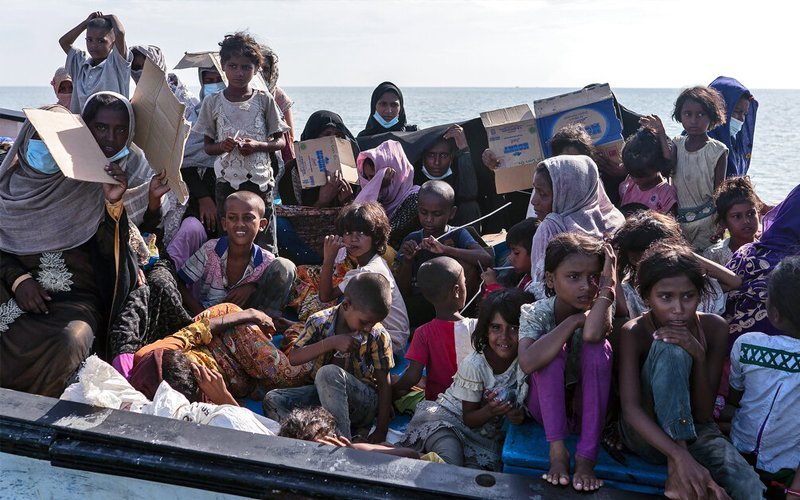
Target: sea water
{"points": [[772, 168]]}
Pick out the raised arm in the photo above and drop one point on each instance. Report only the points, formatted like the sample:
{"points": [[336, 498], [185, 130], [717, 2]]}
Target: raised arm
{"points": [[70, 36], [119, 35], [728, 280], [667, 146]]}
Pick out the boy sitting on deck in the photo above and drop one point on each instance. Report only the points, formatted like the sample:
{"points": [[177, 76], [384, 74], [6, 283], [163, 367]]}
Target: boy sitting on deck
{"points": [[435, 208], [352, 354], [519, 240], [108, 66]]}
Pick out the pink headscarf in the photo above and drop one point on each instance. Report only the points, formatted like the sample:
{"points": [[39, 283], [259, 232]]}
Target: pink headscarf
{"points": [[388, 154], [580, 204]]}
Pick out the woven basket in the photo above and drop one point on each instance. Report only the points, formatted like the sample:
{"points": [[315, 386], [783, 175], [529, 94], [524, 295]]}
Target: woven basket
{"points": [[311, 223]]}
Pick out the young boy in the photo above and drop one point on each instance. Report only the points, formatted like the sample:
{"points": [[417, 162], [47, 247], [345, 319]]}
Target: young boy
{"points": [[108, 66], [441, 344], [435, 208], [233, 268], [352, 355], [765, 383], [519, 239], [242, 126]]}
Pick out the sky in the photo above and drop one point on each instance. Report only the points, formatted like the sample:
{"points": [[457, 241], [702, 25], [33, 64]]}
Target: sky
{"points": [[441, 43]]}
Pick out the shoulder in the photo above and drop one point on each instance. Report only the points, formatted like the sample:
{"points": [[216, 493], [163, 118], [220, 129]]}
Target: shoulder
{"points": [[472, 363], [714, 326], [717, 145], [320, 317]]}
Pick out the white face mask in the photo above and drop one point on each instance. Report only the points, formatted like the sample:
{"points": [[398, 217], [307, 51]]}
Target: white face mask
{"points": [[433, 178], [735, 126], [391, 123]]}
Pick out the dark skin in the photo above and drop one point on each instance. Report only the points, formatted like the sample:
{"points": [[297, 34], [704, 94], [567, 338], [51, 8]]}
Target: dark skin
{"points": [[98, 42]]}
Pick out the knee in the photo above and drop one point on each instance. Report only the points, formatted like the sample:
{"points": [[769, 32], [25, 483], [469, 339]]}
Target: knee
{"points": [[329, 375], [77, 339], [282, 270], [673, 353], [596, 356]]}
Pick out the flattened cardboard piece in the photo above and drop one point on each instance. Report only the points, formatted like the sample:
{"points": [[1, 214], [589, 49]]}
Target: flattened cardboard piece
{"points": [[510, 179], [513, 137], [592, 107], [211, 59], [161, 130], [316, 156], [72, 145]]}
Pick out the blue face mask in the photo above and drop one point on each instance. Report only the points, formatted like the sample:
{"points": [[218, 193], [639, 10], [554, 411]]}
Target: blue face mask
{"points": [[736, 126], [120, 155], [391, 123], [39, 158], [213, 88]]}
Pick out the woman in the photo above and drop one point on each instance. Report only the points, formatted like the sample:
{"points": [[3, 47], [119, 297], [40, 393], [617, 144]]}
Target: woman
{"points": [[62, 86], [740, 125], [65, 266], [387, 111]]}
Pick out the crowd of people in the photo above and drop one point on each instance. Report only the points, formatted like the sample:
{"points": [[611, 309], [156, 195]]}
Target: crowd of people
{"points": [[658, 318]]}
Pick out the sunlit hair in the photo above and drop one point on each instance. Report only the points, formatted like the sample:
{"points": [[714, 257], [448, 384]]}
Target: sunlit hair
{"points": [[241, 44], [369, 218], [575, 136], [639, 232], [251, 199], [308, 424], [440, 189], [370, 293], [506, 302], [521, 234], [94, 104], [733, 191], [176, 370], [437, 277], [642, 153], [668, 259], [709, 99]]}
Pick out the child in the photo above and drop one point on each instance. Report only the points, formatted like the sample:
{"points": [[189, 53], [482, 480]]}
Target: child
{"points": [[518, 239], [464, 426], [233, 268], [670, 365], [563, 343], [699, 162], [440, 345], [352, 356], [737, 207], [435, 208], [644, 164], [765, 380], [108, 66], [242, 126]]}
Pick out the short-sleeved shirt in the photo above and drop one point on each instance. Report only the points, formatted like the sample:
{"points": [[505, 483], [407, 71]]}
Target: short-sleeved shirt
{"points": [[257, 118], [720, 252], [396, 323], [767, 369], [661, 198], [113, 74], [441, 346], [374, 353], [457, 239], [209, 266]]}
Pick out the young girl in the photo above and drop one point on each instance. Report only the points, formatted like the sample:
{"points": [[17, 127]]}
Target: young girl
{"points": [[242, 126], [464, 425], [737, 207], [699, 162], [670, 366], [644, 164], [363, 231], [561, 345]]}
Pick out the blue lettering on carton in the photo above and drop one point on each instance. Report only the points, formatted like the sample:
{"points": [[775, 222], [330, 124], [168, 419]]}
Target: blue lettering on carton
{"points": [[593, 129], [515, 149], [321, 161]]}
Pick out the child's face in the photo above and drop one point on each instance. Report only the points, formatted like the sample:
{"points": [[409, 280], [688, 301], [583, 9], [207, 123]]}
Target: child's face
{"points": [[520, 259], [503, 338], [239, 70], [438, 159], [742, 221], [388, 106], [358, 321], [242, 222], [110, 128], [357, 243], [335, 132], [542, 199], [575, 280], [99, 43], [741, 109], [434, 212], [674, 301], [694, 118]]}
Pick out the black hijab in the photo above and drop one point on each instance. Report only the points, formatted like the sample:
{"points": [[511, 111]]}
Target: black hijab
{"points": [[373, 127], [319, 121]]}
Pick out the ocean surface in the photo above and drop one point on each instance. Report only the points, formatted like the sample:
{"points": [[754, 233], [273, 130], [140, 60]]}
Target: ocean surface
{"points": [[775, 165]]}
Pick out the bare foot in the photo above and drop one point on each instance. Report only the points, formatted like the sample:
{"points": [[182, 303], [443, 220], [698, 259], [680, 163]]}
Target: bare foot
{"points": [[559, 465], [584, 478]]}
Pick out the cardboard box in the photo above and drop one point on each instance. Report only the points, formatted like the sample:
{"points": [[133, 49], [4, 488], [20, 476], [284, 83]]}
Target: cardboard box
{"points": [[513, 137], [592, 107], [331, 154]]}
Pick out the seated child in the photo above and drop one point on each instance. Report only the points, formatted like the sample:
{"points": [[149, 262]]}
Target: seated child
{"points": [[563, 346], [108, 65], [518, 239], [765, 383], [440, 345], [435, 208], [670, 363], [352, 356], [465, 425], [645, 184], [363, 232], [738, 208], [233, 268]]}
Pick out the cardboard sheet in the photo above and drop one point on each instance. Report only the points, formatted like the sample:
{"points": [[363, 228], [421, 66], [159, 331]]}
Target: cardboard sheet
{"points": [[72, 145], [161, 130], [513, 137], [316, 156]]}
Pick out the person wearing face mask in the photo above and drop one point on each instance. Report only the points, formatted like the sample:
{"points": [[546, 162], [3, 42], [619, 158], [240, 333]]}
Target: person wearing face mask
{"points": [[62, 86], [387, 111], [65, 265], [737, 133]]}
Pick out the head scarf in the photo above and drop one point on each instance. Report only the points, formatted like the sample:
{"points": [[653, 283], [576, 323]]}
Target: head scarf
{"points": [[373, 127], [154, 54], [146, 374], [388, 154], [271, 78], [61, 76], [41, 212], [740, 147]]}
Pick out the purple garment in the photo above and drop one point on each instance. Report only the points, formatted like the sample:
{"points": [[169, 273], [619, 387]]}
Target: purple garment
{"points": [[747, 307], [740, 147]]}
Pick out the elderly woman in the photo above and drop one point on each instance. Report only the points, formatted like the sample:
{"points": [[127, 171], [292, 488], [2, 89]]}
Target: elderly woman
{"points": [[65, 266]]}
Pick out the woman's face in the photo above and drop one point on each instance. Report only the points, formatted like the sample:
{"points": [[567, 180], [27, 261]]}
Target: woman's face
{"points": [[335, 132], [438, 159], [110, 128], [388, 106], [542, 199], [741, 109], [674, 301], [369, 173]]}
